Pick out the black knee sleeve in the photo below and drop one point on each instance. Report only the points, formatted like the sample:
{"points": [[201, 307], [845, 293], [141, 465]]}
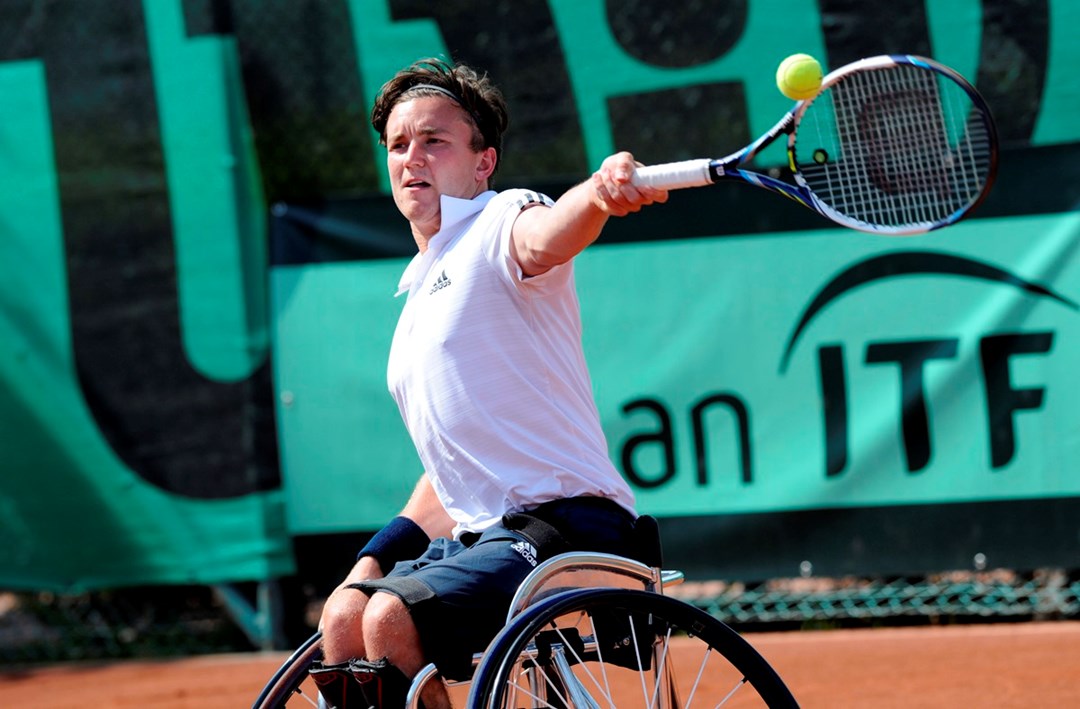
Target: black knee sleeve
{"points": [[362, 684]]}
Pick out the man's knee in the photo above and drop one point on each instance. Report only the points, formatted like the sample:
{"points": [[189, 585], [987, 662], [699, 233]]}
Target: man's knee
{"points": [[387, 622], [342, 625]]}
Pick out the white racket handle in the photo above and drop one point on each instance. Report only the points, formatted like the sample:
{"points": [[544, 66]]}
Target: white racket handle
{"points": [[675, 175]]}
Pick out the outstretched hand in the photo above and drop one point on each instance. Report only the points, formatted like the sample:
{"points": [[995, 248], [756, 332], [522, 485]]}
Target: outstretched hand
{"points": [[615, 192]]}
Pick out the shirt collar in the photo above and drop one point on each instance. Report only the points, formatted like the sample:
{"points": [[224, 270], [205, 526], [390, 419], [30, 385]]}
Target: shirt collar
{"points": [[454, 212]]}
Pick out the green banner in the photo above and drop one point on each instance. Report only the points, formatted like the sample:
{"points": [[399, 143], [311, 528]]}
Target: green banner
{"points": [[837, 370], [73, 515], [740, 375], [198, 255]]}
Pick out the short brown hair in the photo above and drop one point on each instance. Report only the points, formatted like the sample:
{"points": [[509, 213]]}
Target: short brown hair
{"points": [[474, 92]]}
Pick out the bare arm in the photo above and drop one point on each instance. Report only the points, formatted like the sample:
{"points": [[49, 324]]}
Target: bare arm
{"points": [[544, 238], [423, 508]]}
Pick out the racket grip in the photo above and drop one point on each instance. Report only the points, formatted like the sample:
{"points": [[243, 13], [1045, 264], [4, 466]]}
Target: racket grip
{"points": [[675, 175]]}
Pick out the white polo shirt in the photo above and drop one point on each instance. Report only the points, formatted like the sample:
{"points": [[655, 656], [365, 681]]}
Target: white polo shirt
{"points": [[487, 369]]}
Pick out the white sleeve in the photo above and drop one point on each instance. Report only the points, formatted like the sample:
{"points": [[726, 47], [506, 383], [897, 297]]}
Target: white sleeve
{"points": [[511, 204]]}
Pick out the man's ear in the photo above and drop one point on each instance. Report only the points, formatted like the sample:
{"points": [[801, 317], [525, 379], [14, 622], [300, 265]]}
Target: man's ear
{"points": [[486, 166]]}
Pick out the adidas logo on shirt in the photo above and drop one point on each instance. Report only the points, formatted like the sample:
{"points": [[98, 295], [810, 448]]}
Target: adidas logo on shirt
{"points": [[441, 282], [526, 550]]}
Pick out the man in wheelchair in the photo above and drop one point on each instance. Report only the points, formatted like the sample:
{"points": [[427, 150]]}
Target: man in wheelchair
{"points": [[487, 369]]}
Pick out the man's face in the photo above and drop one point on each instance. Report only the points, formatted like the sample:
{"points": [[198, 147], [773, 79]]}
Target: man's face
{"points": [[429, 154]]}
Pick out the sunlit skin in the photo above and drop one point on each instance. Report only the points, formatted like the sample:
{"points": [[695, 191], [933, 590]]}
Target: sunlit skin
{"points": [[428, 154]]}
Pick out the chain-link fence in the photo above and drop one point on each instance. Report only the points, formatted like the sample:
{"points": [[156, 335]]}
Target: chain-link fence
{"points": [[1045, 594], [38, 628]]}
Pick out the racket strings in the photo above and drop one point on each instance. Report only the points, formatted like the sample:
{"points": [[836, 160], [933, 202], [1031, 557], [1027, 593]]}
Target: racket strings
{"points": [[895, 146]]}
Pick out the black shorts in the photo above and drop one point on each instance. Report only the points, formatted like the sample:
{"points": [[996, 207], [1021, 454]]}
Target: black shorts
{"points": [[459, 592]]}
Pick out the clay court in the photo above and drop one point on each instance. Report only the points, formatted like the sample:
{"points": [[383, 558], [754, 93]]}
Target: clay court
{"points": [[1001, 665]]}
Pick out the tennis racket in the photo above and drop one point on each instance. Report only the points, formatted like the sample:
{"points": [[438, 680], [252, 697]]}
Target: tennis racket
{"points": [[893, 144]]}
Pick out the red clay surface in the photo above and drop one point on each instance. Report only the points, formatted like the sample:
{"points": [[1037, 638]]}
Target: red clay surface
{"points": [[1013, 665]]}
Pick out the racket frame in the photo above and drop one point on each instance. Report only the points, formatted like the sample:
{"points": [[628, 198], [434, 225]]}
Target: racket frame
{"points": [[705, 171]]}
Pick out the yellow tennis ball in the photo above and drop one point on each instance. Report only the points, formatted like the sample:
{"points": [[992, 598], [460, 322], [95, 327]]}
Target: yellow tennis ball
{"points": [[799, 77]]}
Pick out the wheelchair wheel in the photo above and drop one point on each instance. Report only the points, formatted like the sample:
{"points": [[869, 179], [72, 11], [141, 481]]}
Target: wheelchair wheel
{"points": [[605, 647], [291, 685]]}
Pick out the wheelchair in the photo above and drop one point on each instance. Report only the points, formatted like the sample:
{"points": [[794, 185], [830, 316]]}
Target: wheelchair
{"points": [[587, 631]]}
